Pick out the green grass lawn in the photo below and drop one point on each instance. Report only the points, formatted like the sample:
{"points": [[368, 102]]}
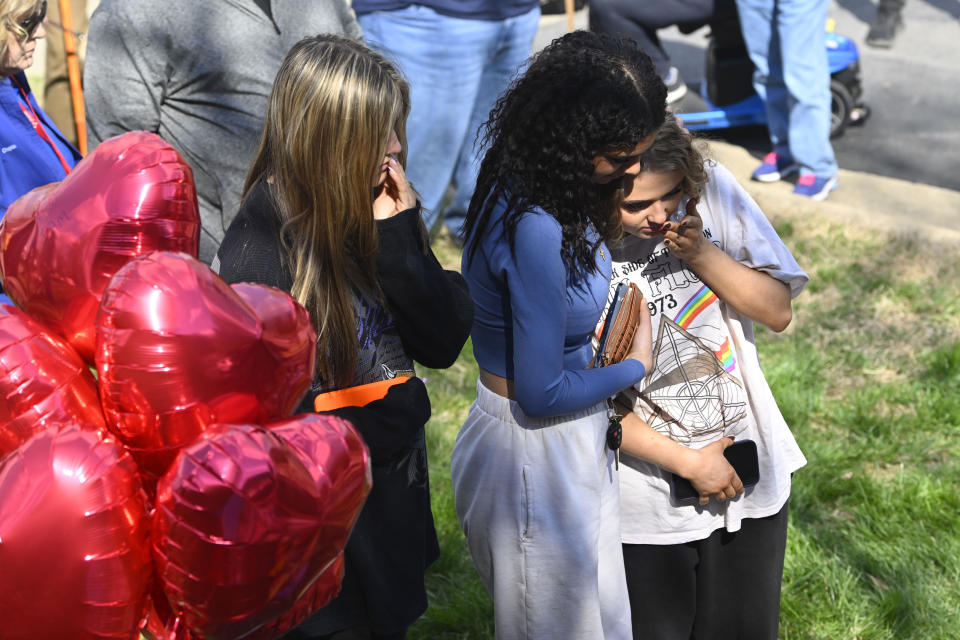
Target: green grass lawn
{"points": [[868, 377]]}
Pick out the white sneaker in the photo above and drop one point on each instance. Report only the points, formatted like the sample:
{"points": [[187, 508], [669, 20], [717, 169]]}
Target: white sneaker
{"points": [[676, 87]]}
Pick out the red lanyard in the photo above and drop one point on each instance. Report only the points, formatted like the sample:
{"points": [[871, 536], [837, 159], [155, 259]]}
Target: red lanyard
{"points": [[31, 115]]}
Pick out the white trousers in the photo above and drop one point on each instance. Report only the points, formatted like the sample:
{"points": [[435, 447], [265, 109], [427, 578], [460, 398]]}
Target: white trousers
{"points": [[539, 503]]}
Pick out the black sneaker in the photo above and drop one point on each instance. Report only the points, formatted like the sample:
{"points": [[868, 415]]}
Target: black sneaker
{"points": [[884, 28], [676, 87]]}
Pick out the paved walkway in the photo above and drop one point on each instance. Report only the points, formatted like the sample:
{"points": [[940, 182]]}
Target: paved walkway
{"points": [[861, 198]]}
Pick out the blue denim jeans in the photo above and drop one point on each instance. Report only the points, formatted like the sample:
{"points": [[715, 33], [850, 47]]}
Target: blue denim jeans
{"points": [[786, 40], [457, 68], [640, 21]]}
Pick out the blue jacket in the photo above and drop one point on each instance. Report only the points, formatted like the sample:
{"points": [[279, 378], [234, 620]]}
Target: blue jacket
{"points": [[27, 160]]}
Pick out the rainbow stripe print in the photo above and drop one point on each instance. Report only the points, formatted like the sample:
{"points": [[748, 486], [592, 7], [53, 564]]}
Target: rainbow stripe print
{"points": [[726, 356], [700, 301]]}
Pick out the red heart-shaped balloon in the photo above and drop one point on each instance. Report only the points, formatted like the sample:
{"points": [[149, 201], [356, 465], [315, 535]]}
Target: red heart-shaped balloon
{"points": [[320, 594], [178, 350], [60, 244], [167, 627], [42, 381], [74, 538], [158, 621], [164, 626], [337, 458], [236, 531]]}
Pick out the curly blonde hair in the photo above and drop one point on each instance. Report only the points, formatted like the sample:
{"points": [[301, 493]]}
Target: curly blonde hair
{"points": [[675, 148]]}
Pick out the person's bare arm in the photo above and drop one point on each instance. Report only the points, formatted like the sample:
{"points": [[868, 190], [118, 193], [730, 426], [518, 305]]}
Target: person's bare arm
{"points": [[707, 469], [754, 294]]}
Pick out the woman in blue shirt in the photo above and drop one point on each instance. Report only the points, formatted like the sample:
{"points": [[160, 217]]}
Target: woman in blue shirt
{"points": [[535, 483], [32, 151]]}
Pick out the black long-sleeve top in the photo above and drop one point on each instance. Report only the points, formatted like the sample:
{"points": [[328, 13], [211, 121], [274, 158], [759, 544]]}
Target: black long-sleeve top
{"points": [[429, 312]]}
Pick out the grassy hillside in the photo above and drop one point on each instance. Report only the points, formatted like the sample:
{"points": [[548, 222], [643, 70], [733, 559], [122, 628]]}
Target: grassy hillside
{"points": [[867, 376]]}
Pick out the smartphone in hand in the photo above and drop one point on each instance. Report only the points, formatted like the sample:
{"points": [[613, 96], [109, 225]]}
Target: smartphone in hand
{"points": [[742, 456]]}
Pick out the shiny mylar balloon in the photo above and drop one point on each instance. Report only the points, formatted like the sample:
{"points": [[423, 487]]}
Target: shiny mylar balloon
{"points": [[322, 592], [60, 244], [337, 458], [42, 381], [158, 622], [74, 549], [178, 350], [236, 530]]}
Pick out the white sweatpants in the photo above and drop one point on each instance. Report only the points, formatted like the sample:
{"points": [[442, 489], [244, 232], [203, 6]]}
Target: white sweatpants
{"points": [[539, 503]]}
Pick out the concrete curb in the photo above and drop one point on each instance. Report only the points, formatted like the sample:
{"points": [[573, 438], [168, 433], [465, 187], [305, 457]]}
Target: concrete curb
{"points": [[873, 202], [860, 199]]}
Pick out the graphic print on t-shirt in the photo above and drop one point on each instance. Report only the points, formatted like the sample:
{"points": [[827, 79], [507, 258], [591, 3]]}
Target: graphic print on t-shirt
{"points": [[693, 393], [701, 300], [380, 352], [689, 393]]}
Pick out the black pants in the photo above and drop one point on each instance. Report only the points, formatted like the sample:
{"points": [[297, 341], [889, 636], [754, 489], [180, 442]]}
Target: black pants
{"points": [[640, 19], [724, 587], [891, 5], [356, 633]]}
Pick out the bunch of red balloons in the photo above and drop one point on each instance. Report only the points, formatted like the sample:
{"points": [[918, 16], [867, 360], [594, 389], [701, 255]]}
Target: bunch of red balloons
{"points": [[171, 493]]}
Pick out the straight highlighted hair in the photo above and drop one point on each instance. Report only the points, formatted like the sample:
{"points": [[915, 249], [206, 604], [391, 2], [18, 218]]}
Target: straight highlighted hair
{"points": [[333, 106]]}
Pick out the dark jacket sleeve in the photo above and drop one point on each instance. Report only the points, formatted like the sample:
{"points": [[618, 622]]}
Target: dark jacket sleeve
{"points": [[389, 425], [430, 305], [251, 250]]}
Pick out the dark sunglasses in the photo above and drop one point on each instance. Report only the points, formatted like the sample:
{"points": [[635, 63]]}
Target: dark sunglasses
{"points": [[31, 23]]}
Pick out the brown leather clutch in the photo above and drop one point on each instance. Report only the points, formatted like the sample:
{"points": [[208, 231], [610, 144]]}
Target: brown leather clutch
{"points": [[620, 325]]}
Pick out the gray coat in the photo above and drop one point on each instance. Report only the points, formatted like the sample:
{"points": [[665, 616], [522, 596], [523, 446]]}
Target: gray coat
{"points": [[198, 73]]}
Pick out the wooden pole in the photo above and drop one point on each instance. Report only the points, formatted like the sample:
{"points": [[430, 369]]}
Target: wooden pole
{"points": [[73, 75], [567, 5]]}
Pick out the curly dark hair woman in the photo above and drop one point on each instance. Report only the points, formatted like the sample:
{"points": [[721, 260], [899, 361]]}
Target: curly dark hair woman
{"points": [[535, 481], [584, 100]]}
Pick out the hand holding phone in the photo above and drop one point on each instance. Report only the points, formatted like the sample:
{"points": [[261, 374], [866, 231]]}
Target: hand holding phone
{"points": [[740, 455]]}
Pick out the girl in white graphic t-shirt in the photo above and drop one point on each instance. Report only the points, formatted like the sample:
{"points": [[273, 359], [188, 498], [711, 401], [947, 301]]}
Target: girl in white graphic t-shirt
{"points": [[709, 264]]}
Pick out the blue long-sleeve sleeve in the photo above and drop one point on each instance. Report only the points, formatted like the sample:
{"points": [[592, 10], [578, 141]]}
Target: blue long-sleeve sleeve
{"points": [[533, 320]]}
